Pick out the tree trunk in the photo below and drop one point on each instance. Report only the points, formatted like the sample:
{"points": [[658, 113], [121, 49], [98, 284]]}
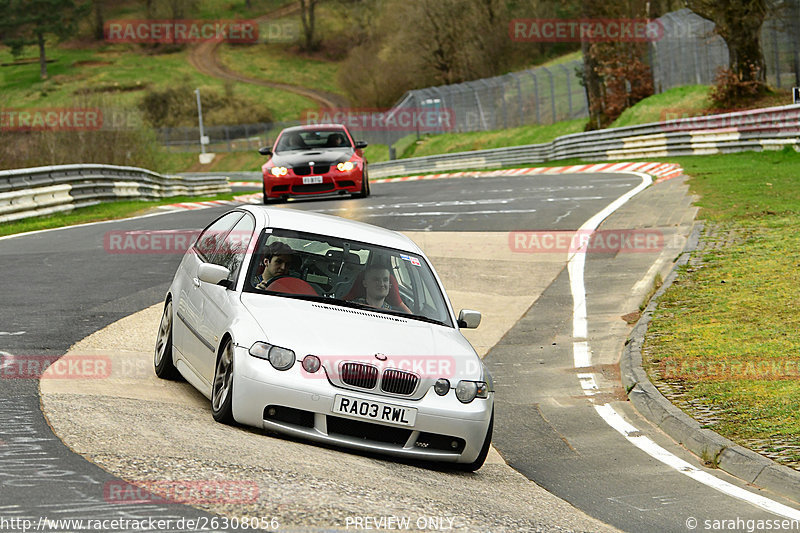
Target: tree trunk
{"points": [[591, 82], [747, 60], [307, 18], [42, 57], [99, 21]]}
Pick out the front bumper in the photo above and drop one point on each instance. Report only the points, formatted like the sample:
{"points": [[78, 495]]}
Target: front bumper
{"points": [[294, 403], [333, 182]]}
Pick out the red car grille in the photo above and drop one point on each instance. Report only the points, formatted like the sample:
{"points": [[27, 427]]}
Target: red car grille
{"points": [[305, 170], [359, 375], [398, 381]]}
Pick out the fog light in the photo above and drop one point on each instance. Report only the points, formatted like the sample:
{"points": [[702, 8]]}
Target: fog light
{"points": [[271, 411], [311, 363], [454, 444], [441, 387]]}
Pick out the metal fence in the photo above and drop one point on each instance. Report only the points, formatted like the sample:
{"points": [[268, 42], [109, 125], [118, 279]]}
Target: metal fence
{"points": [[690, 53], [251, 137], [239, 138], [542, 95]]}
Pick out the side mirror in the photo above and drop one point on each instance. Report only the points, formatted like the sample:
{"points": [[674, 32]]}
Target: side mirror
{"points": [[469, 319], [360, 145], [213, 274], [265, 151]]}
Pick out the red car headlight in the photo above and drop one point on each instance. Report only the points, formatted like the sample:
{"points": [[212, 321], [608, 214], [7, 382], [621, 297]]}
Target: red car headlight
{"points": [[346, 166], [278, 171]]}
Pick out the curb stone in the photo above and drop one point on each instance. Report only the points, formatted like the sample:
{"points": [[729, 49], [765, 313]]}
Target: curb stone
{"points": [[712, 448]]}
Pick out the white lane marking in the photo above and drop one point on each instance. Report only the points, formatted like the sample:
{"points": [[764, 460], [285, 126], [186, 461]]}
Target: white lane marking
{"points": [[654, 450], [11, 333], [583, 358], [5, 360], [641, 285]]}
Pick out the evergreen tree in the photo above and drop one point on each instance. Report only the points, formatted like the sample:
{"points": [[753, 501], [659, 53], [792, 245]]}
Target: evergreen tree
{"points": [[26, 22]]}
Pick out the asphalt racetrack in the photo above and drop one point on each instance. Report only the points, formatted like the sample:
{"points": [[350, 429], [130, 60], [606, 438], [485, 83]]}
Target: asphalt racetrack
{"points": [[494, 242]]}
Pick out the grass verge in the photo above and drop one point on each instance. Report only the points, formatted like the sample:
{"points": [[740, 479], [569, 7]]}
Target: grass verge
{"points": [[724, 342], [95, 213]]}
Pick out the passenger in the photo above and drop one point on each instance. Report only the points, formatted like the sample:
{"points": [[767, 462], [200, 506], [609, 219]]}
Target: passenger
{"points": [[277, 259], [377, 282]]}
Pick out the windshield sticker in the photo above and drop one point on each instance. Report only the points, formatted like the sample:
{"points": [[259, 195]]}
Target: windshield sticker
{"points": [[414, 260]]}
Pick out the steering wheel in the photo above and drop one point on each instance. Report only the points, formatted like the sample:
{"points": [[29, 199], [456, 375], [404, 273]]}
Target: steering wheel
{"points": [[269, 282], [291, 285]]}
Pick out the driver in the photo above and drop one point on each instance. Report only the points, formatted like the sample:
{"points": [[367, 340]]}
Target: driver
{"points": [[277, 258], [377, 283]]}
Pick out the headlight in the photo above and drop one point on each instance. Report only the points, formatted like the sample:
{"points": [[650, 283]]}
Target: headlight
{"points": [[279, 171], [346, 166], [279, 358], [441, 387], [466, 391]]}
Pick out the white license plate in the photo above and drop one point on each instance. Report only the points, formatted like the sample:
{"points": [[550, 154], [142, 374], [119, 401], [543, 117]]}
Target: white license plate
{"points": [[311, 180], [376, 411]]}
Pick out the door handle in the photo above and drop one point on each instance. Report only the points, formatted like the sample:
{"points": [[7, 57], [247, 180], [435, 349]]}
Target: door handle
{"points": [[196, 282]]}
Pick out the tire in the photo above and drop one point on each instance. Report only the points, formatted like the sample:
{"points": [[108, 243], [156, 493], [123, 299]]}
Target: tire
{"points": [[222, 387], [162, 359], [364, 193], [477, 463]]}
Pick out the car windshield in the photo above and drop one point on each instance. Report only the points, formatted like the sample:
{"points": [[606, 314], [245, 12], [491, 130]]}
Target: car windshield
{"points": [[312, 140], [347, 273]]}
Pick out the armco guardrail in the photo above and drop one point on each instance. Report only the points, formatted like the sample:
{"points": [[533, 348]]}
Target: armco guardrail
{"points": [[758, 129], [39, 191]]}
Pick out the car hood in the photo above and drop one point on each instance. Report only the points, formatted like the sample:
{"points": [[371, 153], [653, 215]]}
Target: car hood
{"points": [[319, 157], [339, 334]]}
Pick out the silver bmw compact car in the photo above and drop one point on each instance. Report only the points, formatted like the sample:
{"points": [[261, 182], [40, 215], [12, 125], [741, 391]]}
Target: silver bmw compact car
{"points": [[329, 330]]}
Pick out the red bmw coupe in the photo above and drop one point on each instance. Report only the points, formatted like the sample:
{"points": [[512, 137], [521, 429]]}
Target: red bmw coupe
{"points": [[315, 160]]}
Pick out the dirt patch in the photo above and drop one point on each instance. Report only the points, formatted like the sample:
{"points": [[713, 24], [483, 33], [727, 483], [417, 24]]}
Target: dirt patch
{"points": [[91, 63]]}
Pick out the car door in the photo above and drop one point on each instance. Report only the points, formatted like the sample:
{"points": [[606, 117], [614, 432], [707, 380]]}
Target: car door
{"points": [[190, 301], [216, 299]]}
